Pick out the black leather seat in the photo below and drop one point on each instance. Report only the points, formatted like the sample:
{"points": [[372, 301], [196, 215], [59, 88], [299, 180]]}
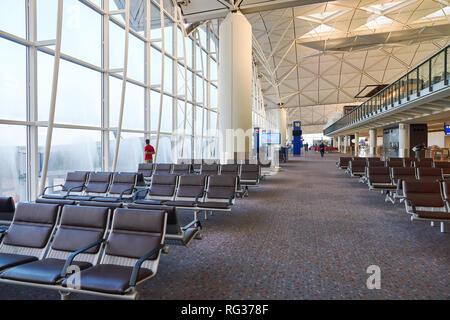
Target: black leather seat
{"points": [[108, 278], [11, 260]]}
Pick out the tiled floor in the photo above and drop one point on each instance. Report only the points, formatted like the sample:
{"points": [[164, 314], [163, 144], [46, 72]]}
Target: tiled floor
{"points": [[309, 232]]}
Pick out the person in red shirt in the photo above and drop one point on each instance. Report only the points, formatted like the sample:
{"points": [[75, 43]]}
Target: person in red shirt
{"points": [[149, 151]]}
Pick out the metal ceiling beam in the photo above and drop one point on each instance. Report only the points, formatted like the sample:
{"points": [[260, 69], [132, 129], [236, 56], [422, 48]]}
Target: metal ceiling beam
{"points": [[276, 4]]}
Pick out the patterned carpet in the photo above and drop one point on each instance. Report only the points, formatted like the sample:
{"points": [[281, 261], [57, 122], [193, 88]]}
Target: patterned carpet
{"points": [[309, 232]]}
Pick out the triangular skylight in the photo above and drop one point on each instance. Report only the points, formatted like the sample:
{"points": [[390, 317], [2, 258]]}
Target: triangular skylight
{"points": [[378, 22], [320, 30], [437, 15]]}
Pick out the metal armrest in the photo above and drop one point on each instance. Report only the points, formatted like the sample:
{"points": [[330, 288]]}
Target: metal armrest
{"points": [[76, 187], [230, 200], [126, 190], [51, 187], [138, 264], [411, 205], [74, 254], [198, 196]]}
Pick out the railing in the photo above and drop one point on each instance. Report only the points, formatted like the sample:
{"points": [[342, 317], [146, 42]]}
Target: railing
{"points": [[419, 81]]}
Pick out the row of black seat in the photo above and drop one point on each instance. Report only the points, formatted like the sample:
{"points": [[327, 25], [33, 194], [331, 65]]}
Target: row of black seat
{"points": [[423, 189], [75, 249]]}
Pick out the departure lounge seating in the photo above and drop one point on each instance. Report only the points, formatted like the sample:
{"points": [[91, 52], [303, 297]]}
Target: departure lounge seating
{"points": [[146, 169], [356, 168], [422, 164], [131, 256], [7, 209], [398, 175], [379, 178], [445, 166], [163, 188], [190, 190], [27, 238], [209, 169], [343, 162], [424, 202], [74, 184], [229, 169], [162, 169], [97, 186], [220, 193], [181, 169], [80, 227], [425, 174], [395, 163], [174, 230], [122, 187]]}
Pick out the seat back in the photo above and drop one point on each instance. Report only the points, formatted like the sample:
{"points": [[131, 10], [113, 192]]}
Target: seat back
{"points": [[343, 161], [444, 165], [75, 181], [79, 227], [146, 169], [222, 188], [134, 233], [209, 169], [357, 166], [424, 195], [123, 183], [395, 163], [180, 169], [250, 173], [407, 174], [229, 169], [379, 175], [426, 174], [31, 229], [189, 187], [370, 159], [163, 168], [98, 183], [409, 162], [163, 187], [375, 163], [7, 208], [446, 189], [422, 164]]}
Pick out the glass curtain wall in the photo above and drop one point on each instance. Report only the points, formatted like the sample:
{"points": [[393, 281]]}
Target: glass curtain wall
{"points": [[169, 93]]}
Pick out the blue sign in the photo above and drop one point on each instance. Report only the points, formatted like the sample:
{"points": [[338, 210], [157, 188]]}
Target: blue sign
{"points": [[447, 130], [298, 143]]}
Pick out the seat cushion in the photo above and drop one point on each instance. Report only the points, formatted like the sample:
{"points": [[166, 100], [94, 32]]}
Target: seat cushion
{"points": [[61, 202], [11, 260], [105, 199], [384, 186], [79, 198], [180, 203], [214, 205], [438, 215], [47, 271], [150, 202], [108, 278], [54, 196]]}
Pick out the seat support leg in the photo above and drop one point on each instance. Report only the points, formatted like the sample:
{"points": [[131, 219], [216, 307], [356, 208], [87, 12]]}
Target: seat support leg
{"points": [[65, 295], [442, 227]]}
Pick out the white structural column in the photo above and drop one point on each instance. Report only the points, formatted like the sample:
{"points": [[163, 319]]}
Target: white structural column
{"points": [[356, 144], [373, 142], [235, 85], [51, 117], [282, 127], [346, 143], [339, 143], [403, 140]]}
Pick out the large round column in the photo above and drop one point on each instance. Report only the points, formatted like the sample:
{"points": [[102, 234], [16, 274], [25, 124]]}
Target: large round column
{"points": [[403, 140], [356, 144], [235, 87], [372, 142], [339, 143], [346, 143], [282, 127]]}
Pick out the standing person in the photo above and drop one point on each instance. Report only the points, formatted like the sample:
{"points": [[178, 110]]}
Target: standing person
{"points": [[322, 149], [149, 151], [306, 147]]}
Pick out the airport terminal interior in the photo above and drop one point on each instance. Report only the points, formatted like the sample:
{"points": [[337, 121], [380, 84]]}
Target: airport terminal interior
{"points": [[224, 149]]}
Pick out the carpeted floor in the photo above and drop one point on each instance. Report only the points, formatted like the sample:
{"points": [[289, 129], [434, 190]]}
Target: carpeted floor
{"points": [[309, 232]]}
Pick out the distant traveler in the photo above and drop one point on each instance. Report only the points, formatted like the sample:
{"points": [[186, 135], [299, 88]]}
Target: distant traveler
{"points": [[418, 148], [322, 149], [149, 151], [306, 147]]}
